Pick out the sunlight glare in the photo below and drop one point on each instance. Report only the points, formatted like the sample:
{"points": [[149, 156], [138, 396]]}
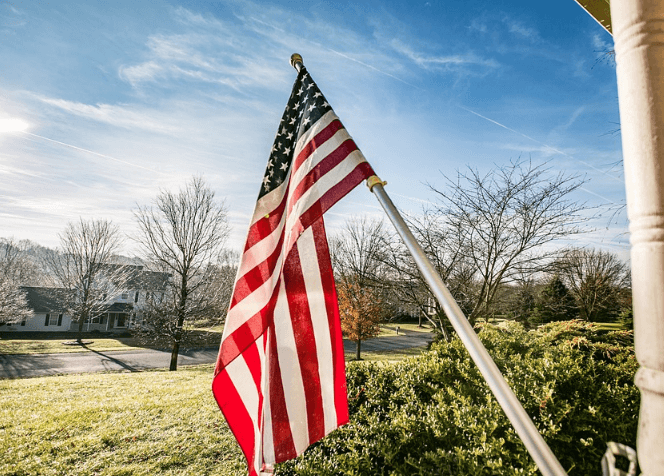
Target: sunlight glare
{"points": [[12, 124]]}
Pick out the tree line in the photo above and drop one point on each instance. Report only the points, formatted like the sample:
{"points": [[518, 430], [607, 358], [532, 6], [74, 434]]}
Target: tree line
{"points": [[500, 240]]}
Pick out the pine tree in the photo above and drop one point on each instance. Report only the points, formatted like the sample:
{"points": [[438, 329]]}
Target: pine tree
{"points": [[555, 303]]}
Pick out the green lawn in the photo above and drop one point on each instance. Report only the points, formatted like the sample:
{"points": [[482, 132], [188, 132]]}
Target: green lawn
{"points": [[143, 423], [391, 356], [391, 328], [45, 344], [146, 423]]}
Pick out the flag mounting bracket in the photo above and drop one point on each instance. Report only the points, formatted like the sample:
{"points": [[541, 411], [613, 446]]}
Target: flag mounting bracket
{"points": [[373, 181]]}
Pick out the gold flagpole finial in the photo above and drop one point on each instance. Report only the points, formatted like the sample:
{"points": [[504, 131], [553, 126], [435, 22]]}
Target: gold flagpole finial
{"points": [[295, 60]]}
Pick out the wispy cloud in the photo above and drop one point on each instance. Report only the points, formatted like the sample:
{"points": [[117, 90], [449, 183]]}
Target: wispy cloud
{"points": [[124, 116], [520, 29], [454, 62]]}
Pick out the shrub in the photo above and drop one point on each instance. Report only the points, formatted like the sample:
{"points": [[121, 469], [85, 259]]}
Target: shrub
{"points": [[435, 415]]}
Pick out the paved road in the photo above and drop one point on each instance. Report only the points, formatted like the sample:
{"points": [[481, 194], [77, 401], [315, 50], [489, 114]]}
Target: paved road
{"points": [[37, 365]]}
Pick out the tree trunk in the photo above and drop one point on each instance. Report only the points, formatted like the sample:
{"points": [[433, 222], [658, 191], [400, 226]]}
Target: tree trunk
{"points": [[357, 349], [79, 334], [175, 352]]}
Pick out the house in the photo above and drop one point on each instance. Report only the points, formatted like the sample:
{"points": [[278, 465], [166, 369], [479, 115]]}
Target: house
{"points": [[48, 311], [123, 312]]}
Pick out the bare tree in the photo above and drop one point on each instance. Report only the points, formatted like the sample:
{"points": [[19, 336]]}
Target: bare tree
{"points": [[596, 279], [444, 248], [15, 270], [13, 305], [503, 219], [83, 267], [183, 234]]}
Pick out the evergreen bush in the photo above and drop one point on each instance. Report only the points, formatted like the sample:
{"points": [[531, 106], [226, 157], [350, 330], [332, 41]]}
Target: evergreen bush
{"points": [[434, 414]]}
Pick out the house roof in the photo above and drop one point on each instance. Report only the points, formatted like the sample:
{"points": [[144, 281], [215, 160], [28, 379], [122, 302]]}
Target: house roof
{"points": [[139, 278], [42, 300]]}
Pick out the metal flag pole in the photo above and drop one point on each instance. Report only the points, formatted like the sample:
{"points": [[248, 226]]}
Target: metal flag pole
{"points": [[546, 461]]}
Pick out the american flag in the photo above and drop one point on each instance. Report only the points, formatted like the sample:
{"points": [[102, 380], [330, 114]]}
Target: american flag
{"points": [[280, 375]]}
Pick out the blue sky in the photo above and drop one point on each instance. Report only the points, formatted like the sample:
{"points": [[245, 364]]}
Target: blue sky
{"points": [[117, 100]]}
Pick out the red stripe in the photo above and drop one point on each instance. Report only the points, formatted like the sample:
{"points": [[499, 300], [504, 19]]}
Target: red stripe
{"points": [[305, 343], [256, 277], [253, 359], [332, 307], [236, 415], [333, 159], [265, 225], [318, 140], [284, 447]]}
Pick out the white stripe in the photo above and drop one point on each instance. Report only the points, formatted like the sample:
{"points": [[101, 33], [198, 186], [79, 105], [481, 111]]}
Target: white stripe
{"points": [[258, 456], [261, 250], [242, 380], [291, 374], [316, 298], [267, 203], [318, 126], [251, 304], [268, 437]]}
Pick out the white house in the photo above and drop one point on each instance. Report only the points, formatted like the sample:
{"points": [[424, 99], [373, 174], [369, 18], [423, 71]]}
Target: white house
{"points": [[49, 315]]}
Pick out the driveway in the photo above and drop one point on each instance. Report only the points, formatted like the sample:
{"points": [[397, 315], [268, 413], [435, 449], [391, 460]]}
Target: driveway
{"points": [[38, 365]]}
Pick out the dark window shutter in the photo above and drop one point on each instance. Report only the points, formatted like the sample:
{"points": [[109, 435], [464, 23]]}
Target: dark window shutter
{"points": [[59, 319], [48, 316]]}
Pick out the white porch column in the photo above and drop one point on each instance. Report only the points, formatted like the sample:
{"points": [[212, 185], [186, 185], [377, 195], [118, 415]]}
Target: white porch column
{"points": [[638, 31]]}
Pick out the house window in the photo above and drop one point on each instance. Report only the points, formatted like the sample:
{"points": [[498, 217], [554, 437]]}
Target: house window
{"points": [[23, 322], [125, 296]]}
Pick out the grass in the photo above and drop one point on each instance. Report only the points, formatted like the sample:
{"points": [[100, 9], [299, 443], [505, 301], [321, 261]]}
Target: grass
{"points": [[142, 423], [390, 329], [145, 423], [388, 356], [43, 343]]}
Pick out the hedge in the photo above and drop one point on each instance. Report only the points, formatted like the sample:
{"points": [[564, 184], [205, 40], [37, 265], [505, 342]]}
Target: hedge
{"points": [[434, 414]]}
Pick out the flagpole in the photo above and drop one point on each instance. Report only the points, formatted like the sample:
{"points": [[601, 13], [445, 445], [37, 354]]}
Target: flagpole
{"points": [[546, 461]]}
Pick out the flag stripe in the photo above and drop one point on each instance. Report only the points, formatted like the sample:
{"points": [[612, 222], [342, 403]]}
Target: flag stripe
{"points": [[283, 444], [318, 276], [299, 295]]}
